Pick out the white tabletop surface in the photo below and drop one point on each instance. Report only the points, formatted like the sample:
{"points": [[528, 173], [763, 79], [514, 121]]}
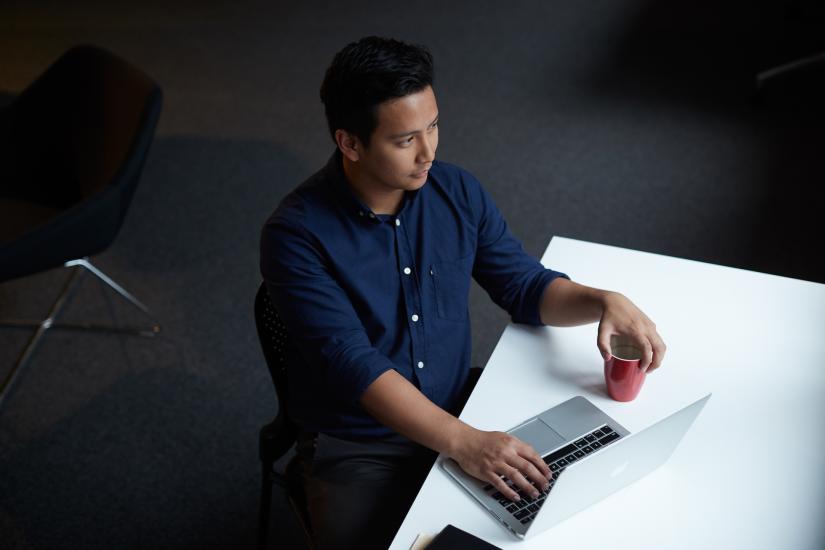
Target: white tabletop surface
{"points": [[751, 471]]}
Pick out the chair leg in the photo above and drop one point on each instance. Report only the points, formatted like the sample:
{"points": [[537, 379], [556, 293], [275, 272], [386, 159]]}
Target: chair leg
{"points": [[81, 266], [42, 327], [86, 265], [796, 65], [297, 500], [146, 332], [302, 521], [265, 506]]}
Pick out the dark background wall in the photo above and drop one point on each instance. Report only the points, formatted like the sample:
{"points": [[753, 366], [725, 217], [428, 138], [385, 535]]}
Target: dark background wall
{"points": [[632, 123]]}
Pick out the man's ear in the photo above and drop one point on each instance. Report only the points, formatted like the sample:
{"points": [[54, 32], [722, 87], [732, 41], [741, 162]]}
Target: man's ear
{"points": [[349, 144]]}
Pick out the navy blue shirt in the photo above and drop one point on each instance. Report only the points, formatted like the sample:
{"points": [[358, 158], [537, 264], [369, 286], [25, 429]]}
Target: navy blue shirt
{"points": [[361, 293]]}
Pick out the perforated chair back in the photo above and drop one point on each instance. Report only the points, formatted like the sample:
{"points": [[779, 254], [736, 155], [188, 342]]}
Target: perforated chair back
{"points": [[275, 344], [277, 437]]}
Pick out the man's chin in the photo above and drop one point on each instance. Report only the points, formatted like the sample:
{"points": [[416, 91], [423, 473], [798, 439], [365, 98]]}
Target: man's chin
{"points": [[419, 179], [415, 184]]}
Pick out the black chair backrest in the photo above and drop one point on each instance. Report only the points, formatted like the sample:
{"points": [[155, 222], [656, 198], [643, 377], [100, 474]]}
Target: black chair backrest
{"points": [[76, 127], [275, 343], [77, 138]]}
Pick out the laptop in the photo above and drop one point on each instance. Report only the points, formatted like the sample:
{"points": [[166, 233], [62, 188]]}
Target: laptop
{"points": [[590, 456]]}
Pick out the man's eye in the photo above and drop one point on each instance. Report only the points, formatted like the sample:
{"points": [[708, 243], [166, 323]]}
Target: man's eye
{"points": [[407, 141]]}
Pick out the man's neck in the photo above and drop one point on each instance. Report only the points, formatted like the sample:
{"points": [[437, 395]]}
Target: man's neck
{"points": [[380, 201]]}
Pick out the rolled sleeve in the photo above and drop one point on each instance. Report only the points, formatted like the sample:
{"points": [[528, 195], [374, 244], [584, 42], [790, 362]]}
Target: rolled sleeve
{"points": [[353, 363], [317, 312], [513, 279]]}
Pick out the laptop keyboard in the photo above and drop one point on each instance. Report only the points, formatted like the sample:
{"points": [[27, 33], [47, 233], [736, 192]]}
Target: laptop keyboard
{"points": [[525, 509]]}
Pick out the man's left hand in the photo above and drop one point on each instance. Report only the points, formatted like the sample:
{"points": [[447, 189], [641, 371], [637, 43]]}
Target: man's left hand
{"points": [[621, 317]]}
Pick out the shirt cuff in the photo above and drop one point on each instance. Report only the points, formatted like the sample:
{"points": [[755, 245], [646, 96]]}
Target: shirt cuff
{"points": [[533, 314]]}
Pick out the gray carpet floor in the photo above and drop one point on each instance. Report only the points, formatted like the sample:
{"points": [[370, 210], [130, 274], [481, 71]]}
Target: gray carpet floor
{"points": [[632, 123]]}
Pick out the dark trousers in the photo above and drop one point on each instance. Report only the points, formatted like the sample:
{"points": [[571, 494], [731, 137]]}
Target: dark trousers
{"points": [[358, 492]]}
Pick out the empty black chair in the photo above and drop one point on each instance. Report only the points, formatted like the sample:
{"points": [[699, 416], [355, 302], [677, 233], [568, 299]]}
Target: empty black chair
{"points": [[72, 147], [279, 436]]}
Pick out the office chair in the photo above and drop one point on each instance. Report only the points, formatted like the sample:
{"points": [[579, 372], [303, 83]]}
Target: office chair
{"points": [[72, 147], [279, 436]]}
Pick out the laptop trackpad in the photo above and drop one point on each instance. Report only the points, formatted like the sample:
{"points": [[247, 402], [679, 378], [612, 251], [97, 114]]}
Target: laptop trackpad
{"points": [[575, 417], [542, 437]]}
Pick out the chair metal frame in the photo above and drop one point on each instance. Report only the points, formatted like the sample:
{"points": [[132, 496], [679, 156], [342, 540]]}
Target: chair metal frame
{"points": [[79, 268], [797, 65]]}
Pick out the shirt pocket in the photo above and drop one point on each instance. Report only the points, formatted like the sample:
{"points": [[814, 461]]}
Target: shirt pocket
{"points": [[451, 281]]}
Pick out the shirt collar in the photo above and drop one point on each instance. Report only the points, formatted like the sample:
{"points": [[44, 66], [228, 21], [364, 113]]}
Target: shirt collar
{"points": [[351, 202]]}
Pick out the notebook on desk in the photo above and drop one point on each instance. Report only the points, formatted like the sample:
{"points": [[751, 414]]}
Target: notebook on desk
{"points": [[453, 538], [590, 456]]}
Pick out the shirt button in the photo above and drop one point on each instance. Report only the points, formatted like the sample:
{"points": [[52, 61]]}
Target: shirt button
{"points": [[421, 364], [372, 215], [407, 271], [360, 213], [414, 318], [397, 222]]}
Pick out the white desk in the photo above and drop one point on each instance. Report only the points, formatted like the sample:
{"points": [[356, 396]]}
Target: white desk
{"points": [[756, 341]]}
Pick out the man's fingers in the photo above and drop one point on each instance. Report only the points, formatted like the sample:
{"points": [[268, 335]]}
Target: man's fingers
{"points": [[659, 349], [499, 483], [519, 463], [532, 459], [520, 481], [536, 461], [533, 474], [603, 342], [647, 354]]}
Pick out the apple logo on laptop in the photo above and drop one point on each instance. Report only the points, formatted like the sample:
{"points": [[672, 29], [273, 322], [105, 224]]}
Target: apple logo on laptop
{"points": [[619, 469]]}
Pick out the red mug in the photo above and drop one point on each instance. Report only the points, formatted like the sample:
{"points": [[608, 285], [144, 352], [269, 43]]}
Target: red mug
{"points": [[622, 373]]}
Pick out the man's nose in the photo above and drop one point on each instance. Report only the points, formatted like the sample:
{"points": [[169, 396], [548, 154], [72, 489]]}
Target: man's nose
{"points": [[426, 153]]}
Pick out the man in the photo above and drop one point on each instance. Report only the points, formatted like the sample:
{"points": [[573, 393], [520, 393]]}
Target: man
{"points": [[369, 264]]}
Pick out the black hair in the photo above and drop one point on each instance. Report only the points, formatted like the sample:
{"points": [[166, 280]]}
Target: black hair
{"points": [[367, 73]]}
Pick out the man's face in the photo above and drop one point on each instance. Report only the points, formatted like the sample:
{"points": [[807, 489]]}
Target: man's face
{"points": [[402, 146]]}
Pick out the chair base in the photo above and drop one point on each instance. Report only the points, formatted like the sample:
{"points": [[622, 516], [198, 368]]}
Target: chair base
{"points": [[82, 265]]}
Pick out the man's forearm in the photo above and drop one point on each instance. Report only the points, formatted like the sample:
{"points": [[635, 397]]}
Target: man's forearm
{"points": [[396, 403], [566, 304], [488, 456]]}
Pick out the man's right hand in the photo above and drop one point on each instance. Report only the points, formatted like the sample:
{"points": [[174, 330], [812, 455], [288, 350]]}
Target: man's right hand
{"points": [[394, 401], [490, 455]]}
